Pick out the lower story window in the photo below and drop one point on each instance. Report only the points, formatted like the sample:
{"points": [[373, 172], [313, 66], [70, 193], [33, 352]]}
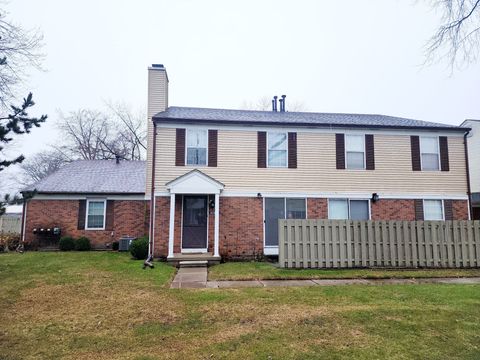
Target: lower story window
{"points": [[96, 214], [340, 209], [433, 209]]}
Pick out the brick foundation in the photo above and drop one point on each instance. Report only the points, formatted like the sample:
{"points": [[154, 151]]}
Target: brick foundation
{"points": [[130, 218], [460, 209]]}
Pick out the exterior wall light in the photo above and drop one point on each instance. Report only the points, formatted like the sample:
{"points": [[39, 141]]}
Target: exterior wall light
{"points": [[375, 197]]}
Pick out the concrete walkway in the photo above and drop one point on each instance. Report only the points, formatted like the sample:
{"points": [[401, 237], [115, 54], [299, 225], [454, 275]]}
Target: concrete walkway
{"points": [[195, 278]]}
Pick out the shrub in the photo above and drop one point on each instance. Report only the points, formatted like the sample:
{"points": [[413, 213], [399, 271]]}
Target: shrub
{"points": [[139, 248], [66, 243], [82, 244], [115, 245]]}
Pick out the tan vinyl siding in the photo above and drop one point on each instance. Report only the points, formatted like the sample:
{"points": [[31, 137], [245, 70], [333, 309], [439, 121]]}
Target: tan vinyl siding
{"points": [[157, 102], [473, 142], [316, 172]]}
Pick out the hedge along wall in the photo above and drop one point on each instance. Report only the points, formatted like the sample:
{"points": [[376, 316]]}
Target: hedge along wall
{"points": [[398, 244]]}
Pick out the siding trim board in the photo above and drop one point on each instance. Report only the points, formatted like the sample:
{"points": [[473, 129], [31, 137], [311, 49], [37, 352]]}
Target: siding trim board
{"points": [[210, 123], [331, 195], [309, 129]]}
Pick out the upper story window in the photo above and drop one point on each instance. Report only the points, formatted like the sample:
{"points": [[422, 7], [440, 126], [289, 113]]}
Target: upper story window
{"points": [[96, 214], [430, 153], [197, 140], [432, 209], [277, 149], [355, 151], [339, 209]]}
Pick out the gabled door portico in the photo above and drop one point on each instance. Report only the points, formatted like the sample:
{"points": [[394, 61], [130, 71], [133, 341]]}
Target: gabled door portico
{"points": [[195, 187]]}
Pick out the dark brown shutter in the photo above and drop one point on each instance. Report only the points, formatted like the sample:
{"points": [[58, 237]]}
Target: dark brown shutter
{"points": [[110, 215], [369, 152], [212, 147], [444, 163], [262, 149], [292, 150], [419, 209], [82, 208], [340, 149], [180, 148], [415, 148], [448, 209]]}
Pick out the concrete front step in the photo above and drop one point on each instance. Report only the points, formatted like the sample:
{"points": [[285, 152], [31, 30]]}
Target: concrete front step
{"points": [[192, 263], [196, 260]]}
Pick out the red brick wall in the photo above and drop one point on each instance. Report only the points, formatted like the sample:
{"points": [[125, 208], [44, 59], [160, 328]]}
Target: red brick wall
{"points": [[317, 208], [460, 209], [241, 227], [390, 209], [241, 222], [130, 218]]}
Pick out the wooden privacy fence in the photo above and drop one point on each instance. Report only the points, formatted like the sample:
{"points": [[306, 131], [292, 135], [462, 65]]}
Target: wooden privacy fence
{"points": [[10, 224], [405, 244]]}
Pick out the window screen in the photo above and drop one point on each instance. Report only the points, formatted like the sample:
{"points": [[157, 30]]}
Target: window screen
{"points": [[430, 153], [95, 215], [277, 149], [197, 147], [296, 209], [359, 210], [338, 209], [355, 149], [432, 210]]}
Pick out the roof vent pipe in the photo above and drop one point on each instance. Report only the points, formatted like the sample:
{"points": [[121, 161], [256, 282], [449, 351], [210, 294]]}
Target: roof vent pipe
{"points": [[117, 159], [283, 103], [274, 103]]}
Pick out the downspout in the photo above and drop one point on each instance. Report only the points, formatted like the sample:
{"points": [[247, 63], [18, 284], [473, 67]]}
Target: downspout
{"points": [[151, 241], [24, 216], [469, 192]]}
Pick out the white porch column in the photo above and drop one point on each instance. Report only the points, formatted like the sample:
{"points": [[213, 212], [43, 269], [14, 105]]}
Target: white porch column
{"points": [[172, 225], [217, 222]]}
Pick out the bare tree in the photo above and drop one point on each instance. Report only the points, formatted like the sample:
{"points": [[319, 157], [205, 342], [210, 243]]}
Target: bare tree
{"points": [[457, 39], [19, 49], [41, 165], [92, 134], [264, 103]]}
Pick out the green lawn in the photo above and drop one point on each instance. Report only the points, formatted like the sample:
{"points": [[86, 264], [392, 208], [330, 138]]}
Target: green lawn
{"points": [[268, 271], [104, 306]]}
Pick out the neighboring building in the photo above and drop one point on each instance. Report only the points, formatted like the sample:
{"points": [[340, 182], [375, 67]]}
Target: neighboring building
{"points": [[100, 199], [222, 178], [473, 142]]}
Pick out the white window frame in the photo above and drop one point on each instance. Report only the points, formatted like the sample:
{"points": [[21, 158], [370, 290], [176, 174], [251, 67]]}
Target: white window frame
{"points": [[286, 156], [348, 203], [104, 213], [442, 206], [186, 146], [346, 135], [438, 152]]}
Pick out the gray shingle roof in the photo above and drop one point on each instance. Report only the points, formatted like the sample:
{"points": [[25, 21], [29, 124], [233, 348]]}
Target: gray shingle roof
{"points": [[95, 177], [189, 114]]}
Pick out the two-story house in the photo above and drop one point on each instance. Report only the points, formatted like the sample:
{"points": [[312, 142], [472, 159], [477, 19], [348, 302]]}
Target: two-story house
{"points": [[219, 179], [216, 181]]}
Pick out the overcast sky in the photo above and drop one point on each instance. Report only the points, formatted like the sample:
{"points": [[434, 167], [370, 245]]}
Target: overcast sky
{"points": [[333, 56]]}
